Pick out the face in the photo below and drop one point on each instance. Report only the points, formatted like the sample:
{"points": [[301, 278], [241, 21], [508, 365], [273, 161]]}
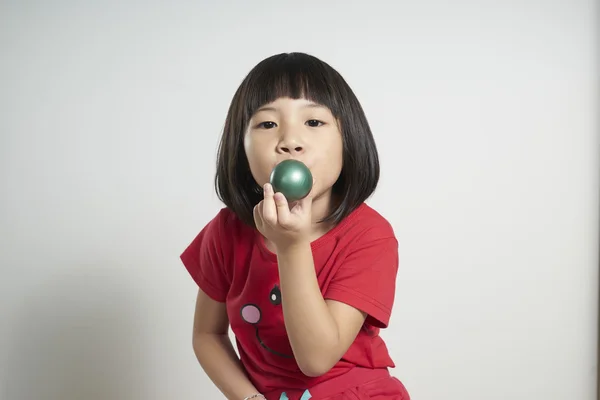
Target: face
{"points": [[297, 129]]}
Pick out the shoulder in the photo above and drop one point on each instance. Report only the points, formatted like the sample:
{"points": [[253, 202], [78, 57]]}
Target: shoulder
{"points": [[227, 222], [364, 274], [207, 257], [222, 230], [218, 236], [365, 224]]}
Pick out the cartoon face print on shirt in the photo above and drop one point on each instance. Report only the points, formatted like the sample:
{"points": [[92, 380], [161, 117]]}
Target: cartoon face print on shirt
{"points": [[253, 314]]}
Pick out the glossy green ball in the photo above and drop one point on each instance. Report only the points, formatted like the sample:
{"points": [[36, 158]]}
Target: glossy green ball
{"points": [[292, 178]]}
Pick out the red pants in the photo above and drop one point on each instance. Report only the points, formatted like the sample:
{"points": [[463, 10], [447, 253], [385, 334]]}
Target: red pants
{"points": [[358, 384]]}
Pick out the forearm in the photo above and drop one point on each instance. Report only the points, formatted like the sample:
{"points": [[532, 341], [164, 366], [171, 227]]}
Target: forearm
{"points": [[311, 329], [217, 357]]}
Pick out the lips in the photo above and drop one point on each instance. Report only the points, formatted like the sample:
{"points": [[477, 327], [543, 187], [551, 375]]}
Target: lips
{"points": [[291, 158]]}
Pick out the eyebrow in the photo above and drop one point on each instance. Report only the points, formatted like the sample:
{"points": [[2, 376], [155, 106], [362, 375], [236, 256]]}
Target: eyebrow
{"points": [[310, 105]]}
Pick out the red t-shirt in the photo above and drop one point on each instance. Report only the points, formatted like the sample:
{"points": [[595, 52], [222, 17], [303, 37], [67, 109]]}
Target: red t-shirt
{"points": [[356, 263]]}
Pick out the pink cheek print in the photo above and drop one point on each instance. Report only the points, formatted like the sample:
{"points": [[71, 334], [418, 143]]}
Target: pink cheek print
{"points": [[251, 314]]}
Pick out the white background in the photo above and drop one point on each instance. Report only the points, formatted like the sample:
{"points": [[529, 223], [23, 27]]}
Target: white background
{"points": [[486, 118]]}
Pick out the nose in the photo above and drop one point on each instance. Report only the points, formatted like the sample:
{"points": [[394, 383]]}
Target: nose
{"points": [[290, 144], [290, 148]]}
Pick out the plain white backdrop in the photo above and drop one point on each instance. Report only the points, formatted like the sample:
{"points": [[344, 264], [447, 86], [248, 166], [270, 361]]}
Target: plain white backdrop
{"points": [[486, 118]]}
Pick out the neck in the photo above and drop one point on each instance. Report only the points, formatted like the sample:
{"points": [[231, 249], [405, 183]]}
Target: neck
{"points": [[321, 208]]}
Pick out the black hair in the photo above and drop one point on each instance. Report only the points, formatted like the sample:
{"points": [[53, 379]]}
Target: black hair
{"points": [[296, 75]]}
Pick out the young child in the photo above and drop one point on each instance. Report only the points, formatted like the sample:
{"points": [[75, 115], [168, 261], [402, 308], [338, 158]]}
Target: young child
{"points": [[305, 286]]}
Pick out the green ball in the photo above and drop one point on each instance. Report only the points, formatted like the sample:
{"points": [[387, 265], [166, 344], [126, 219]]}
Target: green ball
{"points": [[292, 178]]}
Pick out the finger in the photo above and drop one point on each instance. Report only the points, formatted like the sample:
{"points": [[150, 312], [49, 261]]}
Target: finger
{"points": [[269, 210], [261, 205], [283, 209], [256, 215]]}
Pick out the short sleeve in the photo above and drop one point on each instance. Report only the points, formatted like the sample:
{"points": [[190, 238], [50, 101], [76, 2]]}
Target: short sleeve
{"points": [[204, 260], [367, 280]]}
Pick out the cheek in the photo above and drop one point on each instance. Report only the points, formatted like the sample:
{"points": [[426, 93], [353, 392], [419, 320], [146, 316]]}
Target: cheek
{"points": [[258, 159], [336, 152], [330, 165]]}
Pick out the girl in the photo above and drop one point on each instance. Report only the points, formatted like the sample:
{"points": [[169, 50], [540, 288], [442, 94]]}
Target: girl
{"points": [[307, 286]]}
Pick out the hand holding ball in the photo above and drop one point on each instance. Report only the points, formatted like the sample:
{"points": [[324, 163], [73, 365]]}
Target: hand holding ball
{"points": [[292, 178]]}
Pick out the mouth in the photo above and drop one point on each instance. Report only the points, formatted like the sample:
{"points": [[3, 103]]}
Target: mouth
{"points": [[276, 163], [270, 350]]}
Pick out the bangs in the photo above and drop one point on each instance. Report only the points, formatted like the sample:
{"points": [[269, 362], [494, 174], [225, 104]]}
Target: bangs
{"points": [[293, 75]]}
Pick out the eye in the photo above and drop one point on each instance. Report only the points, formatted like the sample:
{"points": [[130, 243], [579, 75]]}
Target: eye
{"points": [[314, 123], [267, 125], [275, 296]]}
